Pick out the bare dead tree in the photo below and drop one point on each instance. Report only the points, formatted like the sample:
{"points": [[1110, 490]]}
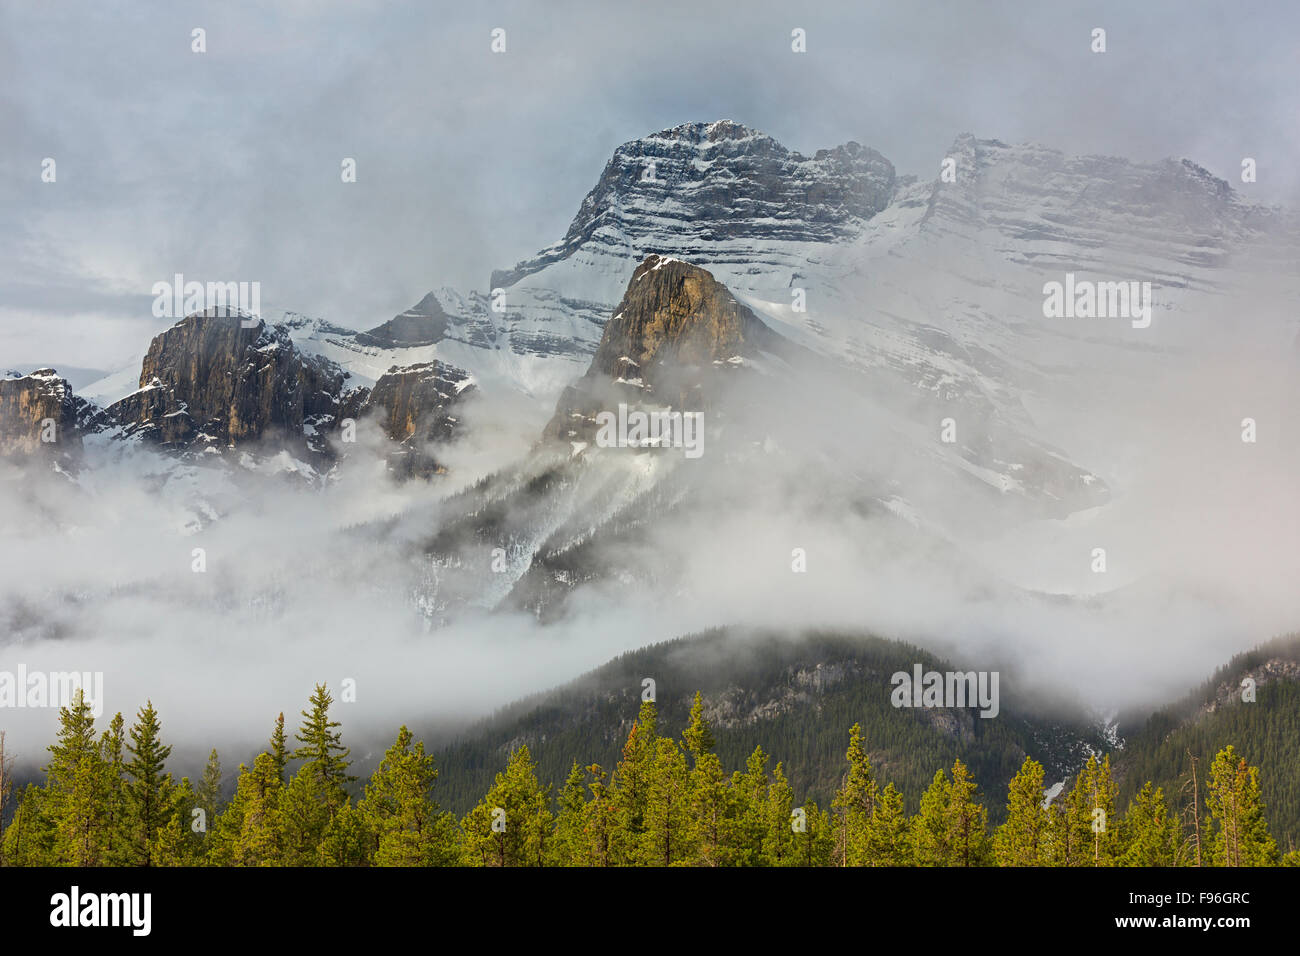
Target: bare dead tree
{"points": [[6, 786], [1195, 808]]}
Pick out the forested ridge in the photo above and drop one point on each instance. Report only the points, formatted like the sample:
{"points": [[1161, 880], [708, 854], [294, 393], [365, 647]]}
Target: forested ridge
{"points": [[795, 697], [1266, 731], [108, 800]]}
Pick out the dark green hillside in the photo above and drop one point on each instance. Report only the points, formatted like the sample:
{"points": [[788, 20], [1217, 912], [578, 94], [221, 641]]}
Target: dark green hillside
{"points": [[1265, 732], [796, 697]]}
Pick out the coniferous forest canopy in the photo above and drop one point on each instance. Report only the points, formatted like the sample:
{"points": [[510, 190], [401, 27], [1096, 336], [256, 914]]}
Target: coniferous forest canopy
{"points": [[667, 800]]}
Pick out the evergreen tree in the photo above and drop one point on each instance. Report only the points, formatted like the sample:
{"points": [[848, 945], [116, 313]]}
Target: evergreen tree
{"points": [[967, 821], [888, 832], [931, 840], [698, 736], [301, 815], [208, 795], [599, 819], [149, 790], [29, 838], [630, 786], [248, 831], [399, 811], [855, 802], [511, 825], [746, 821], [347, 839], [707, 792], [1241, 837], [815, 846], [115, 809], [1091, 810], [111, 745], [1149, 834], [779, 840], [665, 840], [326, 759], [1023, 839], [1063, 848], [279, 748], [1083, 829], [568, 844], [79, 791], [178, 842]]}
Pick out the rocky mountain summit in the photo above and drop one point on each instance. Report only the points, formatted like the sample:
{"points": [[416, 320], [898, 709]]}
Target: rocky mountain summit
{"points": [[213, 383], [719, 195], [675, 331], [675, 314], [717, 189], [414, 405], [40, 413]]}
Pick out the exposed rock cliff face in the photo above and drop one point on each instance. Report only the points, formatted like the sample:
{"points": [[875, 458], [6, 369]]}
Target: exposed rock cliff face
{"points": [[675, 313], [39, 414], [425, 323], [208, 379], [676, 330], [208, 384], [413, 402], [415, 405]]}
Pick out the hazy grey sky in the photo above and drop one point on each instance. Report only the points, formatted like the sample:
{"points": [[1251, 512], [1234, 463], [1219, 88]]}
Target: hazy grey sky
{"points": [[226, 164]]}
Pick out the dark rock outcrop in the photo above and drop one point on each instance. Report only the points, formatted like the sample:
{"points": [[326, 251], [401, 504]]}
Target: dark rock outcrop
{"points": [[674, 315], [413, 402], [425, 323], [414, 405], [675, 335], [211, 383], [209, 379], [40, 414]]}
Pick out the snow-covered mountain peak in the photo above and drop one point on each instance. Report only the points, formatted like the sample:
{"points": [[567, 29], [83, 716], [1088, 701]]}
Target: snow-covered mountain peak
{"points": [[1034, 193], [718, 192]]}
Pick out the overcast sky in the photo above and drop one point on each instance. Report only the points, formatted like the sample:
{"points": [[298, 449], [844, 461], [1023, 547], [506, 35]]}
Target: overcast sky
{"points": [[226, 165]]}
